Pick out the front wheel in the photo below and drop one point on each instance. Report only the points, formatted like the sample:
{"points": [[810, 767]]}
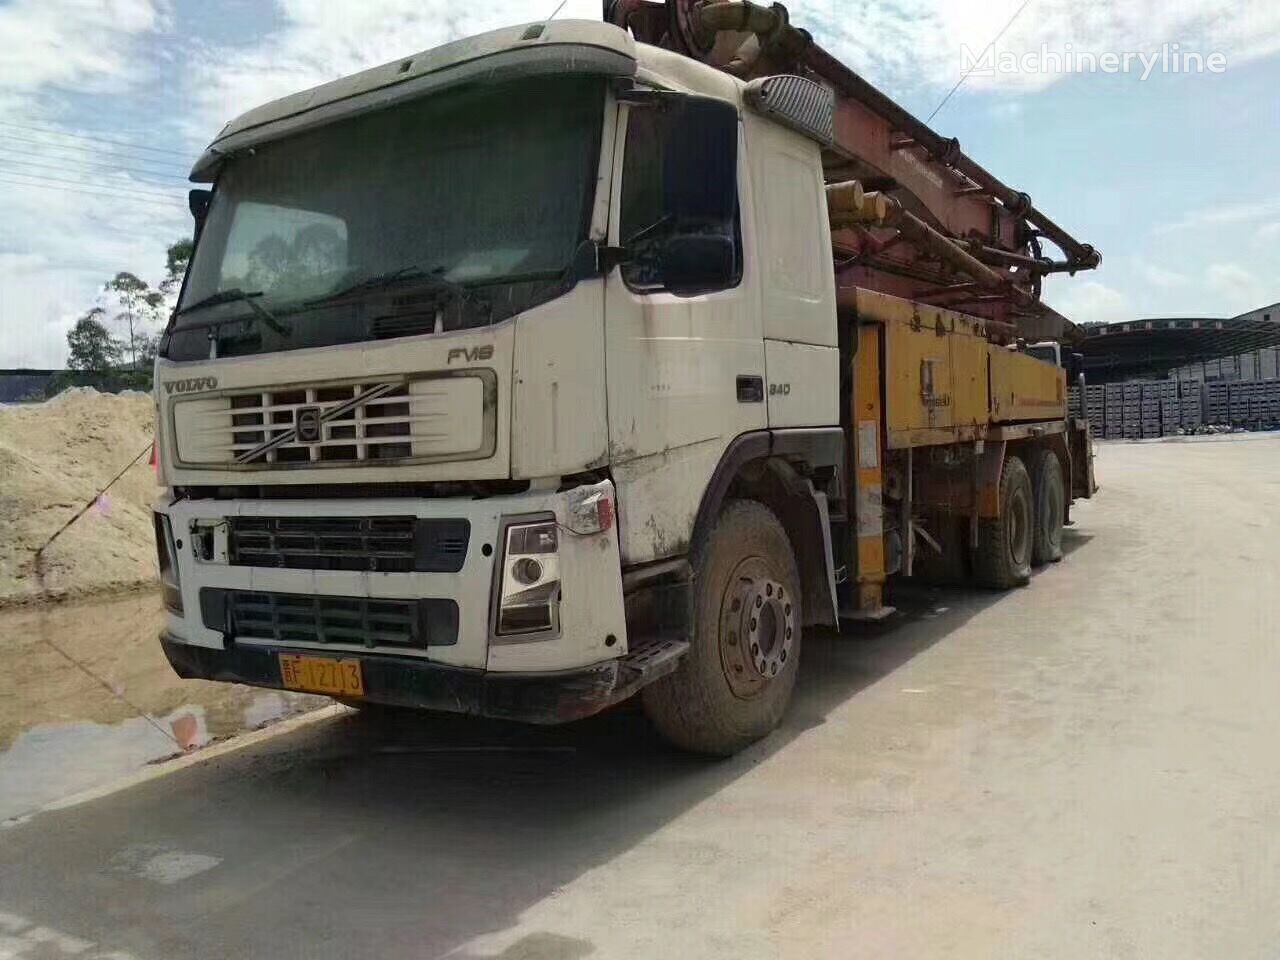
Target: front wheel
{"points": [[732, 687]]}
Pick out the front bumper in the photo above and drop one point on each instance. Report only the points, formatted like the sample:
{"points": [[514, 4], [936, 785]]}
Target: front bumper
{"points": [[592, 621], [544, 698]]}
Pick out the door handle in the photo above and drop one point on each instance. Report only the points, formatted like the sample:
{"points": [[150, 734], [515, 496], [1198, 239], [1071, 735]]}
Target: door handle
{"points": [[750, 389]]}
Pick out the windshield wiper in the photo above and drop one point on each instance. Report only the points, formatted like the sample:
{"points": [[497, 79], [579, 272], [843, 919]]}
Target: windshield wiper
{"points": [[234, 295], [410, 274]]}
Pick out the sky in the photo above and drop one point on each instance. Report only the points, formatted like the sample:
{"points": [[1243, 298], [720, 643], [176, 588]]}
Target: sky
{"points": [[104, 105]]}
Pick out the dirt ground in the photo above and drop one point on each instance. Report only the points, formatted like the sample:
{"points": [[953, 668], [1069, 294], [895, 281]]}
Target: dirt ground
{"points": [[55, 456], [116, 639], [1084, 768], [65, 729]]}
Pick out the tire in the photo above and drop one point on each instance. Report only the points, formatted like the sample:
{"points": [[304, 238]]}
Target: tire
{"points": [[1050, 500], [1003, 558], [733, 686]]}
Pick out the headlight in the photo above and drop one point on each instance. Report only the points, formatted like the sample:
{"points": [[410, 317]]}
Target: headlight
{"points": [[529, 602], [170, 583]]}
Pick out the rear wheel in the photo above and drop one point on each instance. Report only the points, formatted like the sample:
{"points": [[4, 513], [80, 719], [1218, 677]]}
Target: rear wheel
{"points": [[1003, 558], [1050, 501], [733, 685]]}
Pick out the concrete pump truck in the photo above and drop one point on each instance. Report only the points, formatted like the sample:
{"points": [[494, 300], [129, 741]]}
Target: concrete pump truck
{"points": [[580, 360]]}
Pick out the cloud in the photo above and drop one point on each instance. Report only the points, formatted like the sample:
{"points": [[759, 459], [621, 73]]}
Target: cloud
{"points": [[1089, 301], [1157, 276], [88, 45], [913, 43], [41, 338], [77, 241], [321, 41], [1267, 234], [73, 214], [1222, 215], [1236, 288]]}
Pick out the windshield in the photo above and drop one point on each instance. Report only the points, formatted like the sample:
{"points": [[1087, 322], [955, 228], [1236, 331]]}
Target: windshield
{"points": [[474, 201], [1046, 353]]}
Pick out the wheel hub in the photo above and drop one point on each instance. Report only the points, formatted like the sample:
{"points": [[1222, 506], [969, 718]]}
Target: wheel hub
{"points": [[757, 631], [1019, 530]]}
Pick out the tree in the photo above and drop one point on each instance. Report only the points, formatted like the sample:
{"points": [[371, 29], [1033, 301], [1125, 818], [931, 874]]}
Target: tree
{"points": [[295, 267], [148, 347], [93, 349], [141, 307], [177, 259]]}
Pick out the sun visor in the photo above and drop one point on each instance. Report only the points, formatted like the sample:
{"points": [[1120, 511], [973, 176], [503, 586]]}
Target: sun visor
{"points": [[561, 48]]}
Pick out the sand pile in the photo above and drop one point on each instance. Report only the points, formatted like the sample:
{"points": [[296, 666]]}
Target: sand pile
{"points": [[53, 457]]}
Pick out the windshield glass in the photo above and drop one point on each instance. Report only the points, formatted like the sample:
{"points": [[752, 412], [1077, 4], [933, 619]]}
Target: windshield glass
{"points": [[474, 201], [1045, 353]]}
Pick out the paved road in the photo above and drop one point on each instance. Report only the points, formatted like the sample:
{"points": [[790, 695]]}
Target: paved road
{"points": [[1085, 768]]}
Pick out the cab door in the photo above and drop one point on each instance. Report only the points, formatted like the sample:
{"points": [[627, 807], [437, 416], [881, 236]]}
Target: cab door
{"points": [[685, 365]]}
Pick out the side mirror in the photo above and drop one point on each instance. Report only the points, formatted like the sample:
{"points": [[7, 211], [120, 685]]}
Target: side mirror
{"points": [[694, 263], [1075, 366], [198, 202]]}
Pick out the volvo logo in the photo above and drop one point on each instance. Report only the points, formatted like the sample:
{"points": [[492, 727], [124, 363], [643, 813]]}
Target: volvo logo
{"points": [[194, 385], [307, 423]]}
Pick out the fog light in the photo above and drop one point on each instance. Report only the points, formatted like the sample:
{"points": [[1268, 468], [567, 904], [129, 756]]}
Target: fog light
{"points": [[529, 603], [167, 553], [527, 570], [530, 611]]}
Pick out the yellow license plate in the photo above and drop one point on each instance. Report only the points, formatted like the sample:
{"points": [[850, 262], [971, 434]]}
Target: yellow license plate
{"points": [[338, 678]]}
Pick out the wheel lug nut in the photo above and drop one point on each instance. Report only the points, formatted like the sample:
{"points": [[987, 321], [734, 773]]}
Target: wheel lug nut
{"points": [[768, 589], [759, 602], [753, 623], [755, 649], [783, 656]]}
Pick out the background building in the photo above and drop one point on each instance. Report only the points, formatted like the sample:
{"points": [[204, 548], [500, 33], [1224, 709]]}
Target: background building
{"points": [[1245, 347]]}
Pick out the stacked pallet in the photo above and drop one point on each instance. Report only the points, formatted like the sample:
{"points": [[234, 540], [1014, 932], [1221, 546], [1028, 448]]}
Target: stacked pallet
{"points": [[1141, 409], [1095, 408], [1256, 403], [1159, 408], [1217, 403], [1258, 406], [1131, 425], [1239, 408], [1191, 404], [1114, 405]]}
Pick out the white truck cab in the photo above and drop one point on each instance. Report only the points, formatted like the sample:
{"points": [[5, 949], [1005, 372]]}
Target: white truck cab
{"points": [[469, 354]]}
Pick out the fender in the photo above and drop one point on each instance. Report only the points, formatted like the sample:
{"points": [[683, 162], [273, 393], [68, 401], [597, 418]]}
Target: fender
{"points": [[817, 447]]}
